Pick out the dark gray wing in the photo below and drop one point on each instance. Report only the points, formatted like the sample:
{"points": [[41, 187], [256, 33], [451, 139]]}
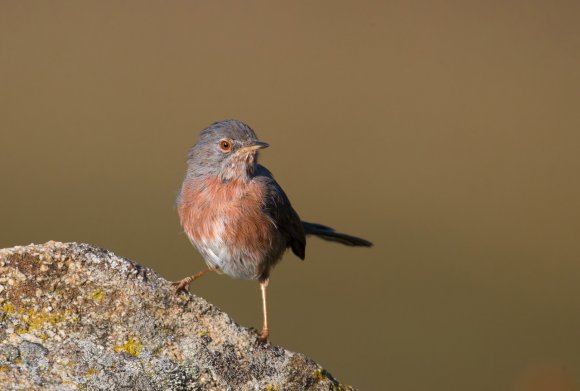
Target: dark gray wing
{"points": [[278, 207]]}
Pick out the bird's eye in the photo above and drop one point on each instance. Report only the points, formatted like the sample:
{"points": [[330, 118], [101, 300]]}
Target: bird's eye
{"points": [[225, 145]]}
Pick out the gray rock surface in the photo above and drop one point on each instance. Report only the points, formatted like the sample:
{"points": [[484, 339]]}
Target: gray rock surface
{"points": [[74, 316]]}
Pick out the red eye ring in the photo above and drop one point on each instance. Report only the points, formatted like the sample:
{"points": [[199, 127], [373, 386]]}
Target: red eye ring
{"points": [[225, 145]]}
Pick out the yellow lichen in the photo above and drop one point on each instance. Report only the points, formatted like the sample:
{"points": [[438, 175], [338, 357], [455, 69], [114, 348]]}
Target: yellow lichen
{"points": [[320, 374], [37, 319], [18, 361], [34, 320], [3, 368], [132, 346], [8, 308], [202, 333], [98, 295]]}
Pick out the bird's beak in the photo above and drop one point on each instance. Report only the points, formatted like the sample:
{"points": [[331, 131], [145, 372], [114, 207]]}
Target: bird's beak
{"points": [[254, 146]]}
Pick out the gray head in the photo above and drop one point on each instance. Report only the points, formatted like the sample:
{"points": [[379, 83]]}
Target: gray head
{"points": [[227, 149]]}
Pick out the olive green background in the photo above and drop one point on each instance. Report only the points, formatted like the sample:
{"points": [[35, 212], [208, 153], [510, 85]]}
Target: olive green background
{"points": [[448, 133]]}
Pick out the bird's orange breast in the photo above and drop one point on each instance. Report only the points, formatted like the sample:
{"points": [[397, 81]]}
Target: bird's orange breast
{"points": [[230, 212]]}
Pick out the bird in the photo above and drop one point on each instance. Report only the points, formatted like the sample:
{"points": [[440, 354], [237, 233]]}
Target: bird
{"points": [[235, 213]]}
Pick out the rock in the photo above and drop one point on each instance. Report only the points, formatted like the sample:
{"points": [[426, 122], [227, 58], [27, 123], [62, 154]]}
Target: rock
{"points": [[74, 316]]}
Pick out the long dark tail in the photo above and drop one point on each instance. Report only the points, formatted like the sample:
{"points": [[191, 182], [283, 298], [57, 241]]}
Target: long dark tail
{"points": [[327, 233]]}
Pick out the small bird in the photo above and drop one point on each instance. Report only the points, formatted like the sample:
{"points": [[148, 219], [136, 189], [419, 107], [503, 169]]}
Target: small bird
{"points": [[236, 214]]}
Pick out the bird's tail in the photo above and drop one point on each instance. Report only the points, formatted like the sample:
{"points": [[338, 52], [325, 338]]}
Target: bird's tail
{"points": [[327, 233]]}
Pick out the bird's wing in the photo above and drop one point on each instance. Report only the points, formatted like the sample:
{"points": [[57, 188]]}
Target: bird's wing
{"points": [[278, 207]]}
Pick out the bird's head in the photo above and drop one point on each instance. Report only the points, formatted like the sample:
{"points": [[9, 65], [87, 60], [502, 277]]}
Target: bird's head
{"points": [[226, 149]]}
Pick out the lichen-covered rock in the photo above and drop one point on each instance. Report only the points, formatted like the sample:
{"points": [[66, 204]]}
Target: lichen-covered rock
{"points": [[74, 316]]}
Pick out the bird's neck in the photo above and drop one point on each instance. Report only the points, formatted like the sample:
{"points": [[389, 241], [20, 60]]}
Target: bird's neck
{"points": [[240, 168]]}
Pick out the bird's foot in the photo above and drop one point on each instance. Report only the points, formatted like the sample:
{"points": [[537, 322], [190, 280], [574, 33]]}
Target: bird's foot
{"points": [[182, 285], [263, 336]]}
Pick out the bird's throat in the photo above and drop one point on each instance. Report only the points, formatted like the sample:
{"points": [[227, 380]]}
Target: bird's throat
{"points": [[240, 166]]}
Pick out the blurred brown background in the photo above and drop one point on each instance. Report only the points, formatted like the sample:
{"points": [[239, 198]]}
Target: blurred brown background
{"points": [[447, 132]]}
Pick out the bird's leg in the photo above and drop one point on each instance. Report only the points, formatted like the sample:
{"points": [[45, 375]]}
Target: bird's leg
{"points": [[183, 285], [265, 331]]}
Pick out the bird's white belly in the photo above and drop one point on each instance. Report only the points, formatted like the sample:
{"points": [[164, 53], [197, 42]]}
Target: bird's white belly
{"points": [[227, 260]]}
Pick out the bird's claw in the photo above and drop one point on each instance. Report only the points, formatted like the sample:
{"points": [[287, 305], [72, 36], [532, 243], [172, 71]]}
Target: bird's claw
{"points": [[263, 336], [181, 286], [260, 336]]}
